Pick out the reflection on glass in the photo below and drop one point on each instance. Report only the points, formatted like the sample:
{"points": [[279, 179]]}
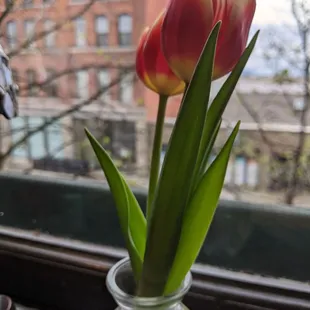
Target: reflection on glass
{"points": [[95, 49]]}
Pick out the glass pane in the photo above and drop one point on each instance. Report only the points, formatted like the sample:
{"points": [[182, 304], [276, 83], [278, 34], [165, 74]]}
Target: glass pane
{"points": [[18, 129], [265, 202], [55, 140], [125, 24], [80, 32], [11, 33], [37, 141], [102, 24], [50, 38], [30, 31], [126, 89], [104, 81], [82, 84]]}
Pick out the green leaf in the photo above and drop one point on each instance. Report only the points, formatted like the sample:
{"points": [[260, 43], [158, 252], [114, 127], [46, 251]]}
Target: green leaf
{"points": [[218, 106], [174, 185], [132, 220], [199, 215], [208, 153]]}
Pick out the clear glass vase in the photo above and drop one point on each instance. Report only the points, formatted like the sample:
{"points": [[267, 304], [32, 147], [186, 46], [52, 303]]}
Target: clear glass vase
{"points": [[120, 284]]}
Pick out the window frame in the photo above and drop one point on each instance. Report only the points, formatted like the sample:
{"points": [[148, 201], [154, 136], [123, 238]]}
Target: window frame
{"points": [[87, 91], [124, 37], [122, 84], [107, 94], [32, 91], [11, 40], [51, 89], [38, 256], [26, 22], [105, 34], [28, 4], [78, 43], [50, 39]]}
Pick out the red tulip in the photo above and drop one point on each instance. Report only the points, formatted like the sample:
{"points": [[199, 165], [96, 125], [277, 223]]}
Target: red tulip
{"points": [[151, 65], [188, 24]]}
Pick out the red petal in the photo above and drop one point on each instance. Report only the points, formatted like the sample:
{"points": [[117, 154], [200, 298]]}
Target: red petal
{"points": [[233, 35], [140, 69], [186, 27], [156, 64]]}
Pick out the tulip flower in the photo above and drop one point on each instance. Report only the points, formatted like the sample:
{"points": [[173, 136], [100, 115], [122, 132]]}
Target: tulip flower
{"points": [[188, 24], [183, 198], [152, 67]]}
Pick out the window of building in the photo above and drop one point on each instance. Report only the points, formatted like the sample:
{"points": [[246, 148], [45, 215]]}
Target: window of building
{"points": [[77, 1], [82, 84], [102, 30], [299, 104], [27, 3], [126, 88], [18, 130], [30, 81], [36, 141], [29, 26], [55, 140], [124, 30], [123, 137], [49, 39], [46, 142], [104, 80], [11, 33], [51, 88], [80, 32]]}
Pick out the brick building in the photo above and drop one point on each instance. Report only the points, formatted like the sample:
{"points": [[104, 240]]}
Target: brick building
{"points": [[94, 45]]}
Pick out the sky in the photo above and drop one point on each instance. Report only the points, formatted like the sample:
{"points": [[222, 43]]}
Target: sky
{"points": [[272, 12], [268, 12]]}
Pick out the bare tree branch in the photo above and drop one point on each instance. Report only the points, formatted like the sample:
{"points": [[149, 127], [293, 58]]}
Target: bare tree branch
{"points": [[58, 117], [56, 27], [72, 70], [256, 119], [7, 10]]}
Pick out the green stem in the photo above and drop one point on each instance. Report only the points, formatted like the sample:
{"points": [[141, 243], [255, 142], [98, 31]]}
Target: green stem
{"points": [[155, 161]]}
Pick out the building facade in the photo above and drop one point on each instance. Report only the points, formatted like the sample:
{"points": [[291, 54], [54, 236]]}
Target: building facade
{"points": [[79, 48], [270, 116]]}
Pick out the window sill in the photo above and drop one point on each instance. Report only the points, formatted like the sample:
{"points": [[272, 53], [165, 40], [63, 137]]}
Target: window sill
{"points": [[102, 50], [59, 270], [100, 1]]}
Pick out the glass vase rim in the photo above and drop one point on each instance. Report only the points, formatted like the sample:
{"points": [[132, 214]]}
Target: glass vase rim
{"points": [[118, 293]]}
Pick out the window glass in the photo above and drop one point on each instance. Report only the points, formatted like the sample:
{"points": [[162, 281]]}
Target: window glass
{"points": [[56, 145], [82, 84], [104, 80], [262, 224], [11, 32], [80, 32], [31, 80], [29, 25], [124, 30], [102, 30], [126, 88], [49, 38], [37, 141], [18, 129]]}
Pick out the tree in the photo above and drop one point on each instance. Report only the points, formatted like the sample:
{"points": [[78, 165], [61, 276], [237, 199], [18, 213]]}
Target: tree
{"points": [[288, 52]]}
